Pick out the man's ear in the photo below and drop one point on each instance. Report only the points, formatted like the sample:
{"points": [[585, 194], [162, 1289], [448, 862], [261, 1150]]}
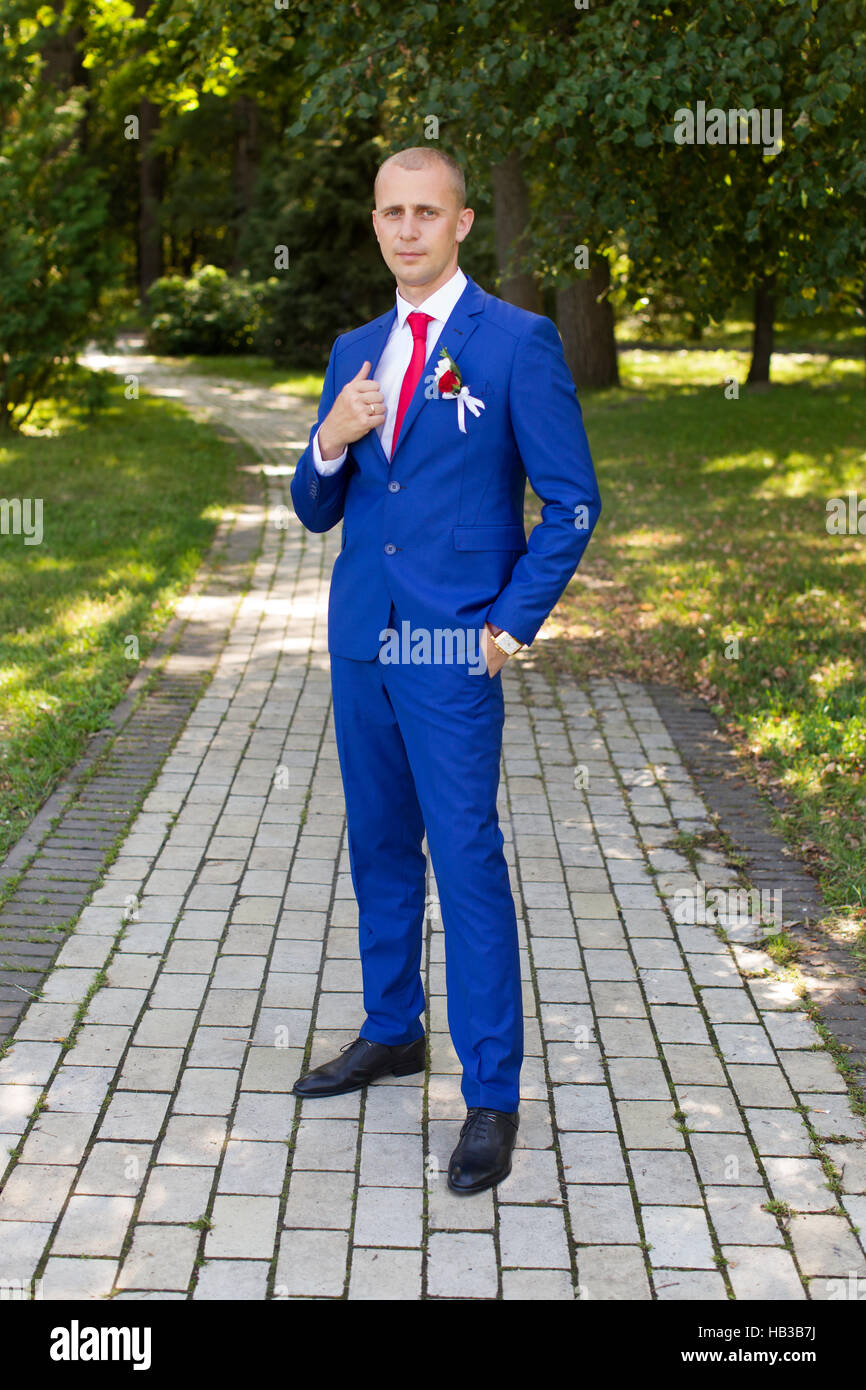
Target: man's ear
{"points": [[464, 223]]}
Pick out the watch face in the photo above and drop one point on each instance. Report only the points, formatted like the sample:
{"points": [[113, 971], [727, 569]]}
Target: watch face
{"points": [[507, 643]]}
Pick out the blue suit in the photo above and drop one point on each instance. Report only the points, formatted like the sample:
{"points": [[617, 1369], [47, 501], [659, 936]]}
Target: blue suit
{"points": [[433, 542]]}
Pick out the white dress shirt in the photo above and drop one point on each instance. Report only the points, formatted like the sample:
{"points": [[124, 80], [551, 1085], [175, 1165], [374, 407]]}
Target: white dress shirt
{"points": [[396, 356]]}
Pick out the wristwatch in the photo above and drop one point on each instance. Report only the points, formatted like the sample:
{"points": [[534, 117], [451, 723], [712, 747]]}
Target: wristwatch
{"points": [[507, 644]]}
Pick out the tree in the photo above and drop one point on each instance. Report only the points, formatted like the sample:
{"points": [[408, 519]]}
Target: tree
{"points": [[53, 213]]}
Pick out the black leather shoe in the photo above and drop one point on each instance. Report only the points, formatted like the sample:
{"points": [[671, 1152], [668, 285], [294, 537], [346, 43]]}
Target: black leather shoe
{"points": [[483, 1156], [359, 1063]]}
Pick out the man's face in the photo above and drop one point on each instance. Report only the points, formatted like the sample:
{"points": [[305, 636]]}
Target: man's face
{"points": [[418, 224]]}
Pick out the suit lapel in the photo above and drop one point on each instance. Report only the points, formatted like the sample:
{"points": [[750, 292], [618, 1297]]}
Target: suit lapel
{"points": [[369, 349], [458, 329]]}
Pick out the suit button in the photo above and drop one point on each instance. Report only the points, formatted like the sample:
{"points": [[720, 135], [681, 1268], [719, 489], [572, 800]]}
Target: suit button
{"points": [[393, 487], [390, 549]]}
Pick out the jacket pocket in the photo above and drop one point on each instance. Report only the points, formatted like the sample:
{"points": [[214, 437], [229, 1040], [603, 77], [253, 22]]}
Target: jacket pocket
{"points": [[488, 537]]}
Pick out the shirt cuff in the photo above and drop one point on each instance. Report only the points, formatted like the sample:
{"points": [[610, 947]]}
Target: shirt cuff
{"points": [[326, 466]]}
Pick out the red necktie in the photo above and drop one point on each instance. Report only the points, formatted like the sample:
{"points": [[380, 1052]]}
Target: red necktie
{"points": [[418, 324]]}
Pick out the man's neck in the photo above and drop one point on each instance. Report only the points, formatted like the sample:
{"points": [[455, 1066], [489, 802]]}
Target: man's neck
{"points": [[416, 294]]}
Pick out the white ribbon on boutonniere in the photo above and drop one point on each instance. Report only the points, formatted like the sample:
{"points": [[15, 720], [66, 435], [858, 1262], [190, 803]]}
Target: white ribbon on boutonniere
{"points": [[450, 386]]}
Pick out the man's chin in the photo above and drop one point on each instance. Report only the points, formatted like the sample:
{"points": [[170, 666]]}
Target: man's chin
{"points": [[415, 271]]}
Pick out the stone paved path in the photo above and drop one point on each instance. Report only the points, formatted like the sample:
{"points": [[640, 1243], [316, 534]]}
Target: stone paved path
{"points": [[673, 1086]]}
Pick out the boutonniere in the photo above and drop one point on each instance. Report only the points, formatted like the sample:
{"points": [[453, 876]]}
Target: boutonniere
{"points": [[450, 386]]}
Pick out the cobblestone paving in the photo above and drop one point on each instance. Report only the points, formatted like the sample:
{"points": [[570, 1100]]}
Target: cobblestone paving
{"points": [[673, 1087]]}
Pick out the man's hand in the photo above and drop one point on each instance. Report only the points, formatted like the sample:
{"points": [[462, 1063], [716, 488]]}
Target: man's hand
{"points": [[494, 658], [360, 407]]}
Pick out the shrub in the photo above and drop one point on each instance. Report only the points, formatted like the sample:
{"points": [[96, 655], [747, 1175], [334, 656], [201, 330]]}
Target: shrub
{"points": [[211, 312]]}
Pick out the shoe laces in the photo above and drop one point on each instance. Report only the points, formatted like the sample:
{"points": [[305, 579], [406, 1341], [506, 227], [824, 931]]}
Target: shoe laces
{"points": [[478, 1118]]}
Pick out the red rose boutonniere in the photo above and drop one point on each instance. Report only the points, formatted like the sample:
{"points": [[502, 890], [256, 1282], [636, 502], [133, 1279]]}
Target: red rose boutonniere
{"points": [[450, 386]]}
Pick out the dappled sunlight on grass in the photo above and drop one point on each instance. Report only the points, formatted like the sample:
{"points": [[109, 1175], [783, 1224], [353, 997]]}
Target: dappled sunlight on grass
{"points": [[129, 506], [722, 576]]}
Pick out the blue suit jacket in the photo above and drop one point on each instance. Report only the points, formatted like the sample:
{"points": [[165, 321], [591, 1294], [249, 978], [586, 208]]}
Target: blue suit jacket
{"points": [[439, 527]]}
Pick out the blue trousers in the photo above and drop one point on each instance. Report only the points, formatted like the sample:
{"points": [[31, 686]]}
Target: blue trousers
{"points": [[419, 749]]}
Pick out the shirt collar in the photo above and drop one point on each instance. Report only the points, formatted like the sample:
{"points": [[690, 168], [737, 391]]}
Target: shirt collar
{"points": [[439, 304]]}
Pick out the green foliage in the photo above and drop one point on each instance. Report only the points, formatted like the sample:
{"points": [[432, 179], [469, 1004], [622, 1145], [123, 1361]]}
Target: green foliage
{"points": [[53, 255], [335, 278], [210, 312]]}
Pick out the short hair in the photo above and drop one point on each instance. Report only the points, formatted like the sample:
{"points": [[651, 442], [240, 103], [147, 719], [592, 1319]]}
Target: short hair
{"points": [[421, 157]]}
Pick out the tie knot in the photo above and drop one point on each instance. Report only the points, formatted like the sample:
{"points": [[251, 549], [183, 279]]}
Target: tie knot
{"points": [[418, 323]]}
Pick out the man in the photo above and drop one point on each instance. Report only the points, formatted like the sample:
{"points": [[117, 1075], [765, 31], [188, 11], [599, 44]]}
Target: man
{"points": [[431, 419]]}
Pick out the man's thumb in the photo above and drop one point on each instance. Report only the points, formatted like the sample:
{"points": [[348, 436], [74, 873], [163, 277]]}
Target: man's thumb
{"points": [[364, 372]]}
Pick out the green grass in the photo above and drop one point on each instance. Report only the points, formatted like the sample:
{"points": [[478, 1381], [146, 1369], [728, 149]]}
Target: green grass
{"points": [[259, 371], [131, 500], [837, 332], [714, 528]]}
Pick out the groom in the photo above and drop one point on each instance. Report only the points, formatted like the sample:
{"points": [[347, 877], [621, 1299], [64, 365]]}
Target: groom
{"points": [[431, 419]]}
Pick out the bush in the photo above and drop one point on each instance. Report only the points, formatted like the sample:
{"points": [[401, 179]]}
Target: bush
{"points": [[209, 313], [54, 251]]}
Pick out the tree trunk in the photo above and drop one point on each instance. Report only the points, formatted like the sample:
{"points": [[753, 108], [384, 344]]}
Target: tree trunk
{"points": [[585, 321], [246, 152], [510, 218], [64, 64], [150, 181], [762, 336]]}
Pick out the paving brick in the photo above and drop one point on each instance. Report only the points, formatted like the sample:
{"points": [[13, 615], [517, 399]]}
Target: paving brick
{"points": [[738, 1217], [602, 1214], [160, 1257], [35, 1192], [69, 1278], [58, 1138], [778, 1132], [763, 1086], [611, 1273], [388, 1216], [532, 1238], [811, 1071], [850, 1160], [800, 1182], [825, 1245], [461, 1265], [689, 1285], [649, 1124], [255, 1168], [21, 1247], [114, 1170], [242, 1227], [758, 1273], [678, 1237], [93, 1225], [311, 1264], [393, 1275], [176, 1194], [662, 1178]]}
